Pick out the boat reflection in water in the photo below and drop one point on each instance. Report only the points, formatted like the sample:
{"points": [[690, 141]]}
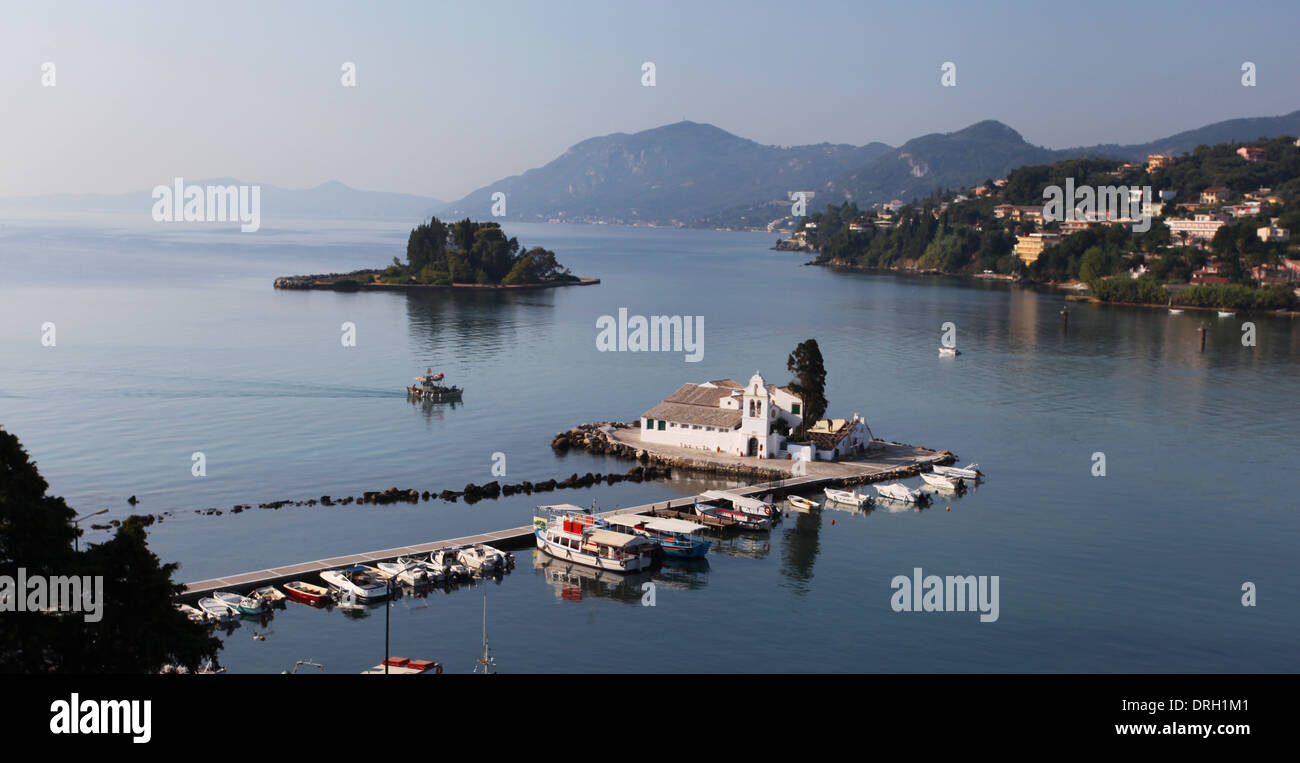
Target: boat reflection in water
{"points": [[682, 573], [742, 544], [574, 581]]}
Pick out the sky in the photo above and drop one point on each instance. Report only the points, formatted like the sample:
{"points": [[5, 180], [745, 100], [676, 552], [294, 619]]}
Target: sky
{"points": [[453, 96]]}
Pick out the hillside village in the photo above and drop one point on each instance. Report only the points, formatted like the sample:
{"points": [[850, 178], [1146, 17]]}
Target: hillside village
{"points": [[1218, 233]]}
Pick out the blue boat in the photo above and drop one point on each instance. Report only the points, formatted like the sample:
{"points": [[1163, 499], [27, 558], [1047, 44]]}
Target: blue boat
{"points": [[677, 537]]}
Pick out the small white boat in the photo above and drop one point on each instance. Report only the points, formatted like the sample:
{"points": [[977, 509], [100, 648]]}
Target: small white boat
{"points": [[851, 498], [434, 573], [216, 608], [357, 581], [411, 575], [445, 559], [269, 594], [970, 472], [482, 560], [1174, 311], [899, 492], [942, 481], [1226, 314], [949, 352], [799, 503], [194, 614], [244, 605]]}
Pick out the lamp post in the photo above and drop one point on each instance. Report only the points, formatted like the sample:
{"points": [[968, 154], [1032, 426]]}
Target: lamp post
{"points": [[388, 606], [76, 546]]}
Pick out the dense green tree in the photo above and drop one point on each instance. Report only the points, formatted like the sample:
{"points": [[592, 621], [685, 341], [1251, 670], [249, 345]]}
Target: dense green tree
{"points": [[140, 630], [809, 382]]}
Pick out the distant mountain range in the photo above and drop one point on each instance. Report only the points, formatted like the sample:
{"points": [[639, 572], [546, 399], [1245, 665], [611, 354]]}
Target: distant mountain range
{"points": [[331, 199], [700, 175]]}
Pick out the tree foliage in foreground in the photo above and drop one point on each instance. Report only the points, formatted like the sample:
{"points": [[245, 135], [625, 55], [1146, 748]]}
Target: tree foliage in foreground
{"points": [[140, 630]]}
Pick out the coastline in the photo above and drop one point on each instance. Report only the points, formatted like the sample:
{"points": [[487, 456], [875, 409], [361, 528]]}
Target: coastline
{"points": [[317, 283]]}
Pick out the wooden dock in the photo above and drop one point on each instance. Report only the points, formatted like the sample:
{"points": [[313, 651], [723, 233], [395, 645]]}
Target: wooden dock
{"points": [[513, 538]]}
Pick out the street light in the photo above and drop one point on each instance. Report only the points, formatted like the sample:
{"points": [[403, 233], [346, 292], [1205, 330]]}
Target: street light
{"points": [[388, 606], [75, 545]]}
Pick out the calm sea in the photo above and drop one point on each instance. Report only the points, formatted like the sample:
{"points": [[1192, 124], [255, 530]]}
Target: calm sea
{"points": [[171, 341]]}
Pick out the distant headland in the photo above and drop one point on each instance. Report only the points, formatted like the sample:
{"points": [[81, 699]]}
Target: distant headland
{"points": [[459, 255]]}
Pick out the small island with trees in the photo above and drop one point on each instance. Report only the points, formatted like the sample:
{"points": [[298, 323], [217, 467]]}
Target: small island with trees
{"points": [[463, 254]]}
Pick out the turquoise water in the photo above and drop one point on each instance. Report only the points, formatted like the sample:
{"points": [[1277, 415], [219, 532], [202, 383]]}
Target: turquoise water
{"points": [[170, 341]]}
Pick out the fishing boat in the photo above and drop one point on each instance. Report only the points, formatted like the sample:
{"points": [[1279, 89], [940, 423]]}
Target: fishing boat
{"points": [[677, 537], [445, 560], [1226, 314], [270, 595], [970, 472], [943, 481], [434, 573], [846, 497], [216, 609], [949, 352], [899, 492], [244, 605], [482, 560], [358, 581], [566, 537], [411, 575], [799, 503], [306, 592], [429, 387], [752, 508], [747, 521], [194, 614]]}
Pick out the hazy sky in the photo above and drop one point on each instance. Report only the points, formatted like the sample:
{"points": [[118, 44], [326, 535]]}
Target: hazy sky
{"points": [[452, 96]]}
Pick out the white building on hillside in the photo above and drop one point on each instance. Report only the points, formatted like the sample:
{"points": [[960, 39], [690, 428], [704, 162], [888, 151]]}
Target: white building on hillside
{"points": [[752, 420]]}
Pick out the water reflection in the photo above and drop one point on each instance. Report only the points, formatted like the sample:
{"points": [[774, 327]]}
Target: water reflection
{"points": [[800, 544], [572, 581], [478, 324]]}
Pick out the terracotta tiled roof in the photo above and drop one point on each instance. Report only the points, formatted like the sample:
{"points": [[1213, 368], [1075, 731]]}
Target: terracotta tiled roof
{"points": [[701, 415]]}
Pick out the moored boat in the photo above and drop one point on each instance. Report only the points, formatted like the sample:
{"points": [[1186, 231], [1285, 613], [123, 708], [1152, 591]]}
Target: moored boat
{"points": [[747, 521], [1175, 311], [412, 575], [452, 569], [306, 592], [193, 613], [752, 507], [269, 595], [216, 609], [244, 605], [482, 560], [580, 542], [949, 352], [1226, 314], [851, 498], [971, 472], [358, 581], [434, 573], [799, 503], [677, 537], [943, 481], [897, 491]]}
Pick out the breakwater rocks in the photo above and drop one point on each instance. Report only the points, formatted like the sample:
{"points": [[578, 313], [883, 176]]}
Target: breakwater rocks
{"points": [[471, 493], [594, 438]]}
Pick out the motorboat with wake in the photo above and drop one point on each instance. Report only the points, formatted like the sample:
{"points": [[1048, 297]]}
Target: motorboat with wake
{"points": [[429, 387]]}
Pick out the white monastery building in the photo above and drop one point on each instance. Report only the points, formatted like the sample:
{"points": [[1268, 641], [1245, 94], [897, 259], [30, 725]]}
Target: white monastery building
{"points": [[751, 420]]}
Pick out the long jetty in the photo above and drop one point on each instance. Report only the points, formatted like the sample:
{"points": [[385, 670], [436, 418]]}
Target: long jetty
{"points": [[515, 537]]}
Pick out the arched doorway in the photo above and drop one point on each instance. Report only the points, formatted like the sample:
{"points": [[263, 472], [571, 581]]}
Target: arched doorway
{"points": [[753, 446]]}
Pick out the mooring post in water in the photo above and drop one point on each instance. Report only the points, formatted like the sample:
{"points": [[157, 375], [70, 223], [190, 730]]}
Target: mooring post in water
{"points": [[1202, 330], [1065, 316]]}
